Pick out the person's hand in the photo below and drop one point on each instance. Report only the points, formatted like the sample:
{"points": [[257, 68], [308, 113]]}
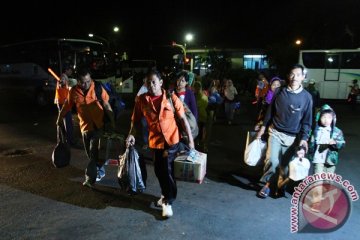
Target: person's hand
{"points": [[332, 142], [260, 132], [304, 144], [191, 145], [130, 141]]}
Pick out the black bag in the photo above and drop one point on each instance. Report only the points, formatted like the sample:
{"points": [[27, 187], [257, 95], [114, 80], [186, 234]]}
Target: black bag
{"points": [[132, 171], [61, 154]]}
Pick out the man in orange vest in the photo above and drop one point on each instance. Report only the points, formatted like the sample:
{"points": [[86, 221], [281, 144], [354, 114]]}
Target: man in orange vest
{"points": [[91, 114], [61, 93]]}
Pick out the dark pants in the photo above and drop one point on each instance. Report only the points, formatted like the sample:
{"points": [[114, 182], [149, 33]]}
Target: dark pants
{"points": [[164, 171], [91, 141]]}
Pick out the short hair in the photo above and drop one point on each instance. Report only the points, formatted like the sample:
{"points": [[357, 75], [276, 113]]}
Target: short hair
{"points": [[82, 71], [184, 74], [295, 66], [153, 72]]}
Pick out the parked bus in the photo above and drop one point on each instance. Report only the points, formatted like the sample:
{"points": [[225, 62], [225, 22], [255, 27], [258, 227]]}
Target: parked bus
{"points": [[332, 70], [24, 66]]}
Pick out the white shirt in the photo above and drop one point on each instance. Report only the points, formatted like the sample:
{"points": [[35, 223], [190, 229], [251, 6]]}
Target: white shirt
{"points": [[323, 137]]}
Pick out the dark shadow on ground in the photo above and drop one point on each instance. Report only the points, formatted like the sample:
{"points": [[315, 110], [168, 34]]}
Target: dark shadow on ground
{"points": [[38, 176]]}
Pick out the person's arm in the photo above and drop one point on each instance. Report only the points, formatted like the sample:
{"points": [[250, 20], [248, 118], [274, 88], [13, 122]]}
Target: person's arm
{"points": [[185, 124], [64, 110], [179, 110], [338, 141], [306, 123]]}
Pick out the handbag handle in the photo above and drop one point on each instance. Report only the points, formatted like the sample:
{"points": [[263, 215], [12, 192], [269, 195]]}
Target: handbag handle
{"points": [[61, 134]]}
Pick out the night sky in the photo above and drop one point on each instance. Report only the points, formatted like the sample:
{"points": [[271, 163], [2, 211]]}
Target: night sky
{"points": [[147, 26]]}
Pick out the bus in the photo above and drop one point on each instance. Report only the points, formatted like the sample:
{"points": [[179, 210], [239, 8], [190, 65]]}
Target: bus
{"points": [[332, 70], [24, 66]]}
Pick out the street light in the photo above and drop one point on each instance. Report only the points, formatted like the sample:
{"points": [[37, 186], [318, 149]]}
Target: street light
{"points": [[116, 29], [189, 37], [298, 42]]}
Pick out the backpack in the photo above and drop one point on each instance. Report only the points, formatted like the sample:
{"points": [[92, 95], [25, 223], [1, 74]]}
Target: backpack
{"points": [[189, 116], [117, 105]]}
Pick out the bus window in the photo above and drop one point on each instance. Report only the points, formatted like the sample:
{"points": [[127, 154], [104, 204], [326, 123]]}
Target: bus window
{"points": [[332, 61], [313, 59], [350, 60]]}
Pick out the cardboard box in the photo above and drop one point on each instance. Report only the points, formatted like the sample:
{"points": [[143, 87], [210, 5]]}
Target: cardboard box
{"points": [[190, 168]]}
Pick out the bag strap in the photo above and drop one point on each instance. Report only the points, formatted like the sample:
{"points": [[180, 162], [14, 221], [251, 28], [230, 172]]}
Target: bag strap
{"points": [[61, 134], [168, 96], [98, 91]]}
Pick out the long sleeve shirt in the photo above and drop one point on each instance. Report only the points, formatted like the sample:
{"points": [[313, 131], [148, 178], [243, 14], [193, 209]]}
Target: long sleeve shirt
{"points": [[291, 112]]}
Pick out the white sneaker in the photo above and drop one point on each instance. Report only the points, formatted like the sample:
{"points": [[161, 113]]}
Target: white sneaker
{"points": [[159, 202], [167, 210]]}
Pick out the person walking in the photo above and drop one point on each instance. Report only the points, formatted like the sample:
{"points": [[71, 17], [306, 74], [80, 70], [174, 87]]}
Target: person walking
{"points": [[164, 137], [91, 114], [288, 120]]}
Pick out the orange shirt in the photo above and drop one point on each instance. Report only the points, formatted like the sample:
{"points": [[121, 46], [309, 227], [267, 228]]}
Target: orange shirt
{"points": [[90, 111], [162, 124]]}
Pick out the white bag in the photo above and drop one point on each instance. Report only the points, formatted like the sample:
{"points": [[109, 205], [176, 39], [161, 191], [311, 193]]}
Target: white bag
{"points": [[255, 151], [299, 169]]}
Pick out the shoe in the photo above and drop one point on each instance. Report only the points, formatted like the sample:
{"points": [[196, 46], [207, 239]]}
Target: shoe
{"points": [[167, 210], [87, 183], [100, 173], [264, 192], [159, 202]]}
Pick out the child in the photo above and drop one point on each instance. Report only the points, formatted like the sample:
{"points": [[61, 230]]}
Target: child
{"points": [[325, 141]]}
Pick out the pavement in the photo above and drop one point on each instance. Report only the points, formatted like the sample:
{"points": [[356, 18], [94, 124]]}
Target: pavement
{"points": [[39, 201]]}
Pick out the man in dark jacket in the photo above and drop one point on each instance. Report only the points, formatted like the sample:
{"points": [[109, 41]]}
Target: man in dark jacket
{"points": [[288, 120]]}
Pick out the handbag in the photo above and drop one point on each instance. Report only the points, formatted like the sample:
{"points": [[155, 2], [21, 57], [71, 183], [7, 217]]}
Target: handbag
{"points": [[61, 154], [255, 150]]}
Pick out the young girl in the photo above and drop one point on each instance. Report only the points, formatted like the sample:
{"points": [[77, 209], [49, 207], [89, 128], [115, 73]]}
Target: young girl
{"points": [[326, 141]]}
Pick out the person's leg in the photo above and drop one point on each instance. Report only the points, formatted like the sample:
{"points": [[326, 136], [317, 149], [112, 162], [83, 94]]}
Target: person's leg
{"points": [[271, 163], [91, 144], [318, 168]]}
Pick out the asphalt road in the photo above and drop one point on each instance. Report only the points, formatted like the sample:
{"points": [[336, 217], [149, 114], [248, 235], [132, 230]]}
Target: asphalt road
{"points": [[38, 201]]}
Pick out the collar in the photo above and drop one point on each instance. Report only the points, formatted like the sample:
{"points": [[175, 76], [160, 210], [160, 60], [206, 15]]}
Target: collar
{"points": [[289, 89]]}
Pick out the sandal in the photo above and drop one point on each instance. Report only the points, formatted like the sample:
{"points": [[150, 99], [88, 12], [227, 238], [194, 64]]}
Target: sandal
{"points": [[264, 192]]}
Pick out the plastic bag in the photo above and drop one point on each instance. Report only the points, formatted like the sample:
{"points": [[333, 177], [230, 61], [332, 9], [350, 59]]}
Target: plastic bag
{"points": [[132, 171], [254, 152], [299, 168]]}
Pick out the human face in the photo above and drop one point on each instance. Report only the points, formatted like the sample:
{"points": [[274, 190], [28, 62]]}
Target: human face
{"points": [[274, 85], [296, 77], [300, 153], [85, 82], [326, 119], [181, 84], [154, 85]]}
